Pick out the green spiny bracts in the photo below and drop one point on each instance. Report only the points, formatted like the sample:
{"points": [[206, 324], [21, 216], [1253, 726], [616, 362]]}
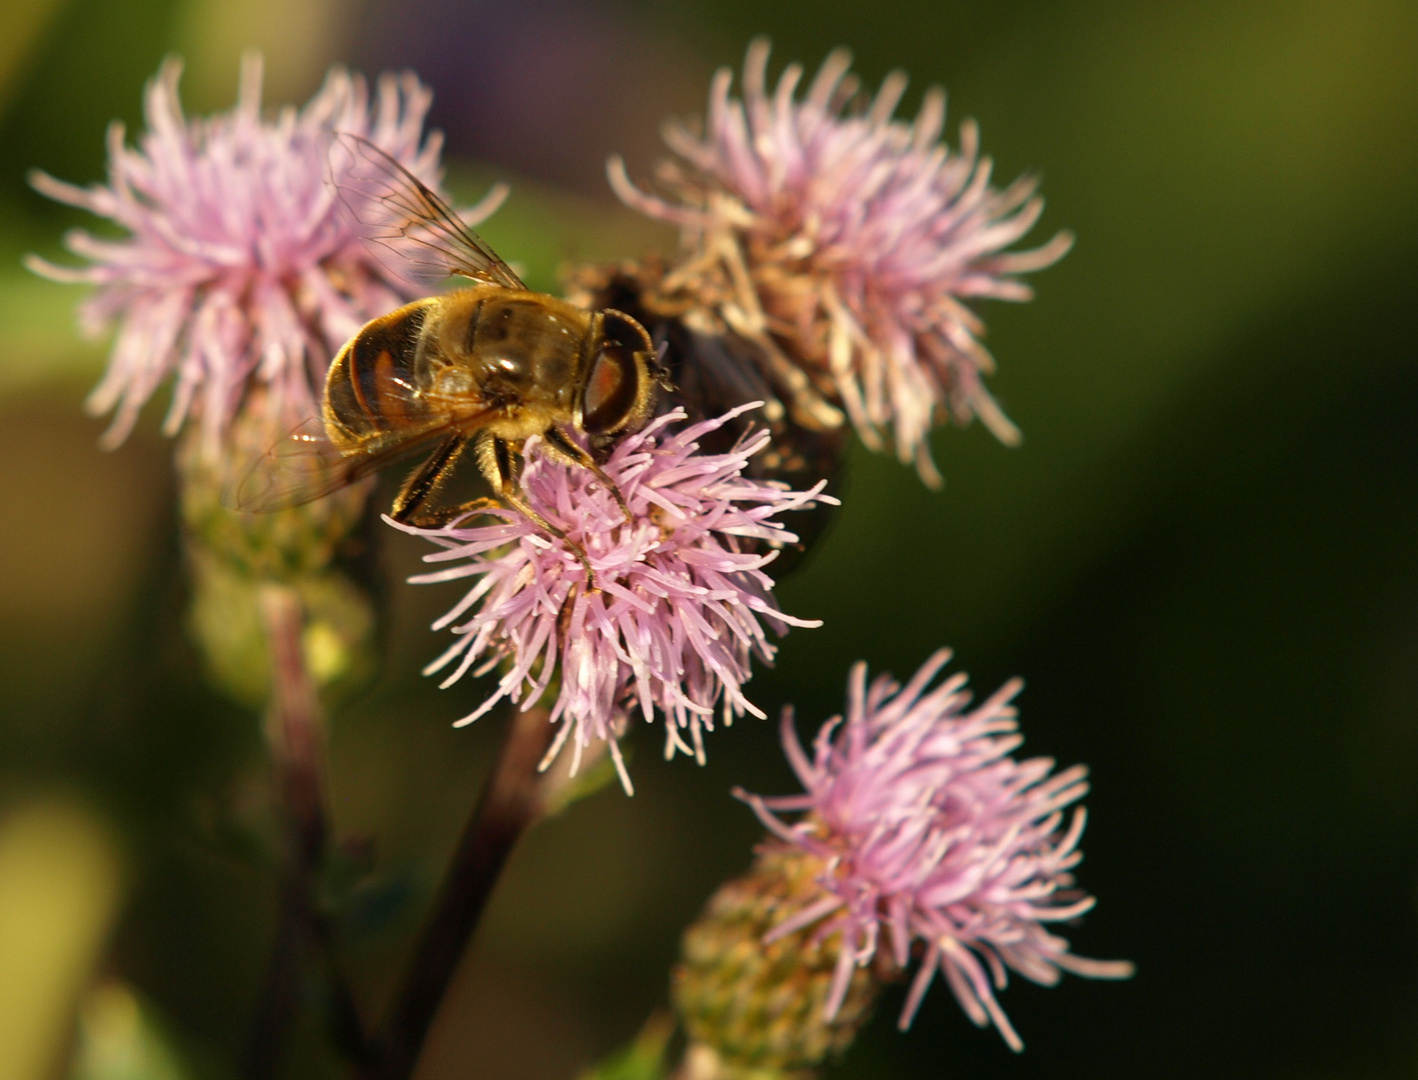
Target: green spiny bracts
{"points": [[231, 555], [754, 1011], [276, 546]]}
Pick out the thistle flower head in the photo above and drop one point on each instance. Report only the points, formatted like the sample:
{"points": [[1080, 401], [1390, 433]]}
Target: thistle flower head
{"points": [[682, 599], [853, 237], [240, 267], [929, 831]]}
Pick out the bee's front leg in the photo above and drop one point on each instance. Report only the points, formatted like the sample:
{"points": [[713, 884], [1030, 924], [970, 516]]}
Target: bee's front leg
{"points": [[564, 450], [498, 465]]}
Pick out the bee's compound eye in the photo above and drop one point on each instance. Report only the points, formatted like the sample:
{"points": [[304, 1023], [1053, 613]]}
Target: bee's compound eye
{"points": [[613, 391]]}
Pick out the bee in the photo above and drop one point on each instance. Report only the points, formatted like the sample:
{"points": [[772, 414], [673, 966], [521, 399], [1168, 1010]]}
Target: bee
{"points": [[477, 369]]}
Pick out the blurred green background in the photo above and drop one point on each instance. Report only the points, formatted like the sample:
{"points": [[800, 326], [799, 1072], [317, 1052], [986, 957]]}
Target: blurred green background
{"points": [[1203, 559]]}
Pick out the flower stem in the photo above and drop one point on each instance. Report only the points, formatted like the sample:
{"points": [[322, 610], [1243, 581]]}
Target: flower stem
{"points": [[511, 800], [295, 730]]}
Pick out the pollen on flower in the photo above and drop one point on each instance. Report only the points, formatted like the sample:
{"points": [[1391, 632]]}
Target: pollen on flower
{"points": [[927, 830], [855, 239], [683, 600], [240, 268]]}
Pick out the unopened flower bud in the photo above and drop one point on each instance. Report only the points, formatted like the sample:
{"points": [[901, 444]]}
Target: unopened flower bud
{"points": [[280, 545], [231, 555]]}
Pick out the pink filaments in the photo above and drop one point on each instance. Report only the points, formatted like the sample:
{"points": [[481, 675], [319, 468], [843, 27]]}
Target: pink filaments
{"points": [[682, 599], [930, 831]]}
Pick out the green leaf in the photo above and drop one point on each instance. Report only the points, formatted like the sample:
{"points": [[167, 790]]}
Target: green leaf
{"points": [[563, 790], [642, 1059]]}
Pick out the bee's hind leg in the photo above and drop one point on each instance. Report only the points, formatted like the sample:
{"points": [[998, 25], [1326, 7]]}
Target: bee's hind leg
{"points": [[411, 504], [496, 462]]}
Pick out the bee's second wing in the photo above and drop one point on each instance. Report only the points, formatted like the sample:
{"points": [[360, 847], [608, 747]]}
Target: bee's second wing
{"points": [[392, 208], [305, 466]]}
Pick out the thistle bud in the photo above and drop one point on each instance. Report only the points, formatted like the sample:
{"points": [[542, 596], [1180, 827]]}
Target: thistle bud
{"points": [[230, 555]]}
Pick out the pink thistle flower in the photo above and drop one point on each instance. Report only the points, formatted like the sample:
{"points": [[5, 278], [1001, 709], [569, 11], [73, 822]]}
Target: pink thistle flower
{"points": [[682, 597], [241, 267], [930, 831], [856, 238]]}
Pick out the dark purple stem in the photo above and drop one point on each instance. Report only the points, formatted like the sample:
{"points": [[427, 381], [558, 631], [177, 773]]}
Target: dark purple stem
{"points": [[510, 801], [296, 735]]}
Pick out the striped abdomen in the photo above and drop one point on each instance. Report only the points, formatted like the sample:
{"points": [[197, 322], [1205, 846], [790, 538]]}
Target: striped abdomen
{"points": [[372, 388]]}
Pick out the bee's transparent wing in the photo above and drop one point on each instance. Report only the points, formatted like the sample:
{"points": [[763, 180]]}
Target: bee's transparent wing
{"points": [[392, 208], [305, 466]]}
